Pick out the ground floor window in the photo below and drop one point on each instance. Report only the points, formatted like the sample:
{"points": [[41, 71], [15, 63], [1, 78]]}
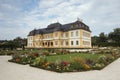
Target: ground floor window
{"points": [[51, 43], [86, 43], [66, 42], [71, 42], [56, 43], [61, 42], [43, 43], [77, 42]]}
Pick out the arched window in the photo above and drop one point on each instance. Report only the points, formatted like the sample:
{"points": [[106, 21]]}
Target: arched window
{"points": [[51, 43], [43, 43]]}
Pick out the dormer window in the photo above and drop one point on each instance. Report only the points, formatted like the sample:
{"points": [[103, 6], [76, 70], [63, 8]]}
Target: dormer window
{"points": [[76, 26], [72, 26]]}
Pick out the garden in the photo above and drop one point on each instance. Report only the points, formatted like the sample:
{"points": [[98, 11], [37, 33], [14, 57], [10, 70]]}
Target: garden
{"points": [[65, 61]]}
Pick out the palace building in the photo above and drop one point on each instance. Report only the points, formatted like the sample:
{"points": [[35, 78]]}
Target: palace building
{"points": [[56, 35]]}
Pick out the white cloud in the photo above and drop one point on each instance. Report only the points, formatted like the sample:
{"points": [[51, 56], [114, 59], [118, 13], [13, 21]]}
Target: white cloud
{"points": [[8, 7], [101, 16], [66, 11]]}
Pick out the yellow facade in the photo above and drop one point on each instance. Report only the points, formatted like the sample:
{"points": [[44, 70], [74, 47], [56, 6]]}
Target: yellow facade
{"points": [[57, 40], [56, 35]]}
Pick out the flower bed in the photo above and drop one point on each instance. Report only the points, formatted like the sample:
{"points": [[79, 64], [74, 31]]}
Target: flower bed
{"points": [[77, 64], [74, 65], [23, 59]]}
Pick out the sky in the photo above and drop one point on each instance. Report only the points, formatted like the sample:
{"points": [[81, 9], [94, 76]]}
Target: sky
{"points": [[19, 17]]}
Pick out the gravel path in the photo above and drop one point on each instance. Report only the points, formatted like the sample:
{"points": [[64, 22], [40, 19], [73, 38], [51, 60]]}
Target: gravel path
{"points": [[12, 71]]}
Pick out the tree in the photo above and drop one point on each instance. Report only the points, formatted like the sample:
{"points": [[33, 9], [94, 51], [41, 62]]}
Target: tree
{"points": [[115, 36], [102, 37], [102, 40], [95, 40], [13, 44], [20, 42]]}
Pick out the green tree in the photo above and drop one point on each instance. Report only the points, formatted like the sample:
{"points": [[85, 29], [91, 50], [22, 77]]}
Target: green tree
{"points": [[20, 42], [114, 36], [95, 40], [102, 41]]}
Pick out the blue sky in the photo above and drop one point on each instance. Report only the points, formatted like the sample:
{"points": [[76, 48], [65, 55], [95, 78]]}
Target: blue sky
{"points": [[18, 17]]}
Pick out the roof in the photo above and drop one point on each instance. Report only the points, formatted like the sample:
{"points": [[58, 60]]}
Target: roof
{"points": [[59, 27]]}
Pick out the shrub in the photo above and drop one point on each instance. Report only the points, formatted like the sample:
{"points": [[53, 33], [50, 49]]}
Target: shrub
{"points": [[39, 61], [98, 66], [90, 62], [36, 54], [58, 52], [16, 55], [45, 53], [87, 67], [65, 65], [78, 64], [102, 59], [105, 59], [18, 60]]}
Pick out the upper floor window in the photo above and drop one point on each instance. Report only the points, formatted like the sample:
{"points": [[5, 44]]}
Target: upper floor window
{"points": [[31, 38], [46, 36], [56, 34], [71, 34], [51, 36], [77, 33], [86, 34], [61, 34], [66, 34]]}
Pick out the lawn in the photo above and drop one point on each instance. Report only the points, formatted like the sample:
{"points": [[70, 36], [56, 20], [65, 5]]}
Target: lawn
{"points": [[64, 61], [69, 57]]}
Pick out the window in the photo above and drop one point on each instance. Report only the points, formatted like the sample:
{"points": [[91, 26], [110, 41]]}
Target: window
{"points": [[86, 43], [71, 34], [51, 43], [61, 42], [56, 34], [72, 26], [56, 42], [48, 36], [77, 42], [86, 34], [45, 36], [71, 42], [76, 25], [43, 43], [66, 42], [48, 43], [61, 34], [76, 33], [66, 34], [36, 44], [51, 35]]}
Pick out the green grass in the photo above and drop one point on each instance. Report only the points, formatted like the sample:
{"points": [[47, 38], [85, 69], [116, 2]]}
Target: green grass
{"points": [[69, 57]]}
